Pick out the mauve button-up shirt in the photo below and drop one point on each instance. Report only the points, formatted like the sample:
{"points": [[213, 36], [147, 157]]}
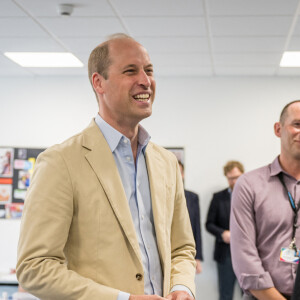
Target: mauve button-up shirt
{"points": [[261, 223]]}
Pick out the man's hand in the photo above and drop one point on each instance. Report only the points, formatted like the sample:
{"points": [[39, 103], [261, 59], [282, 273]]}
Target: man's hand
{"points": [[198, 266], [146, 297], [226, 236], [179, 295]]}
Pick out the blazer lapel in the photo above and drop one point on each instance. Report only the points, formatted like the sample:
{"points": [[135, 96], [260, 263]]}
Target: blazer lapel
{"points": [[158, 197], [102, 162]]}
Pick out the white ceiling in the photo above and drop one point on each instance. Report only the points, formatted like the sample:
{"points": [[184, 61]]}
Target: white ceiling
{"points": [[183, 37]]}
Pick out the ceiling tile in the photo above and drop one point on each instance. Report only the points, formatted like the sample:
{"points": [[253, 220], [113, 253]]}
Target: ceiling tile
{"points": [[19, 27], [82, 27], [13, 72], [30, 44], [175, 44], [247, 59], [183, 71], [250, 26], [9, 9], [177, 59], [82, 44], [46, 8], [248, 44], [297, 28], [288, 72], [245, 71], [168, 26], [294, 44], [59, 71], [159, 8], [252, 8]]}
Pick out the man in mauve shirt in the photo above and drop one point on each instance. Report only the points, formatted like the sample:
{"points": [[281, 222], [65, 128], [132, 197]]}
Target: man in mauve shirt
{"points": [[263, 223]]}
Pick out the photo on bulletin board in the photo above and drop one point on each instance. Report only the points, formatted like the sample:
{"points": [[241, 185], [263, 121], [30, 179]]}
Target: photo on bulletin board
{"points": [[16, 169], [5, 193], [24, 163], [178, 151], [6, 162]]}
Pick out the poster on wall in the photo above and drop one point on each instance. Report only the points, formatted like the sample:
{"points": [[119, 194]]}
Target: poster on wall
{"points": [[16, 168]]}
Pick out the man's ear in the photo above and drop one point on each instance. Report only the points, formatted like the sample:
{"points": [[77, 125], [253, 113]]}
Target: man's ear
{"points": [[97, 81], [277, 129]]}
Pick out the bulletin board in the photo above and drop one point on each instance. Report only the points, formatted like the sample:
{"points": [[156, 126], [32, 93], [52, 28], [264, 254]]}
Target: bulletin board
{"points": [[16, 168]]}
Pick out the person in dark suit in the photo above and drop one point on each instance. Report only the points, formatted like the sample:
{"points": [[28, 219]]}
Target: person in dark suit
{"points": [[193, 206], [296, 292], [217, 223]]}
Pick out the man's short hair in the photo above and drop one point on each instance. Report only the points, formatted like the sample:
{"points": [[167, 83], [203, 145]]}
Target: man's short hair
{"points": [[230, 165], [99, 60], [283, 114]]}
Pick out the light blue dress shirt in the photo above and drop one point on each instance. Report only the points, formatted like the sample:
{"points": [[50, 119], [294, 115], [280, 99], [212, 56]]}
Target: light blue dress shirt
{"points": [[136, 185]]}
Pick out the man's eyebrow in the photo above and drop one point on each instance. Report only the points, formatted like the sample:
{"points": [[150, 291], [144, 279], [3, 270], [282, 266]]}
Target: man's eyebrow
{"points": [[129, 66], [149, 66], [134, 66]]}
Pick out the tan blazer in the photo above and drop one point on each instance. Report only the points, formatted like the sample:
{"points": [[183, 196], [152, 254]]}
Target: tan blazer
{"points": [[77, 237]]}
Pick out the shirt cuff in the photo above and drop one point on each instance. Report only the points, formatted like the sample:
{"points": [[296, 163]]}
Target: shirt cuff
{"points": [[179, 287], [256, 281], [123, 296]]}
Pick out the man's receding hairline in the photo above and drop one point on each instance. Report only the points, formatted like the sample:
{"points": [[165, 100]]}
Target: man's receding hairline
{"points": [[284, 112]]}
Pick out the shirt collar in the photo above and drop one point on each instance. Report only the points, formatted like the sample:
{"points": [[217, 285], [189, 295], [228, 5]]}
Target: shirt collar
{"points": [[275, 167], [113, 136]]}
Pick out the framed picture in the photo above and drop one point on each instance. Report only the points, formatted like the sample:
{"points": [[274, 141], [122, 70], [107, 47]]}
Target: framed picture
{"points": [[178, 151]]}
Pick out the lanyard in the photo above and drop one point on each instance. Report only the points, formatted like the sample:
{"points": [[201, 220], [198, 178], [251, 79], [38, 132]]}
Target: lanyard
{"points": [[295, 208]]}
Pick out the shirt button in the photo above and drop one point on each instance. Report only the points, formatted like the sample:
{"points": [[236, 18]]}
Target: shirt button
{"points": [[142, 217], [139, 276], [125, 141], [128, 158]]}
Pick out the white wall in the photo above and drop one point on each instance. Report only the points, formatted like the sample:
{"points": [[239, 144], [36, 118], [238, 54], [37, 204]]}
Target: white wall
{"points": [[215, 119]]}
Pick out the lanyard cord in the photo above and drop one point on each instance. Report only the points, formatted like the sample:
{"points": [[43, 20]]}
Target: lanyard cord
{"points": [[295, 208]]}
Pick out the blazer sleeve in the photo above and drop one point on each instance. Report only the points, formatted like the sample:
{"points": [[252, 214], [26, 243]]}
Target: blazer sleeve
{"points": [[212, 219], [182, 241], [42, 266]]}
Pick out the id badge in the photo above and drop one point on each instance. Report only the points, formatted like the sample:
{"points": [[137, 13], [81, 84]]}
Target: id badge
{"points": [[289, 256]]}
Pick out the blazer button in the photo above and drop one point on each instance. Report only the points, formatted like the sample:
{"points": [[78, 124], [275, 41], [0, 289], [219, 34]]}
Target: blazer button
{"points": [[139, 276]]}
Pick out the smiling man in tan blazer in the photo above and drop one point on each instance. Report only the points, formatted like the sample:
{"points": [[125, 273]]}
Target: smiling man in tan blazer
{"points": [[105, 216]]}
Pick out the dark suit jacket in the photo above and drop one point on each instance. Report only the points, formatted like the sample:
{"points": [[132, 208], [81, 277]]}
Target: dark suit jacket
{"points": [[296, 294], [218, 221], [192, 202]]}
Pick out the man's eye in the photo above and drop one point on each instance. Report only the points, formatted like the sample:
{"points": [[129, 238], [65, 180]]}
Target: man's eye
{"points": [[149, 71], [129, 71]]}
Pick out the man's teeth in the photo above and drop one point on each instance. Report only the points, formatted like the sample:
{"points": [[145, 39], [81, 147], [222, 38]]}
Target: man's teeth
{"points": [[141, 97]]}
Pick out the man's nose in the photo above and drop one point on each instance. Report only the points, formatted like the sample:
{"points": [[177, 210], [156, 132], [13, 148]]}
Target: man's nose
{"points": [[144, 79]]}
